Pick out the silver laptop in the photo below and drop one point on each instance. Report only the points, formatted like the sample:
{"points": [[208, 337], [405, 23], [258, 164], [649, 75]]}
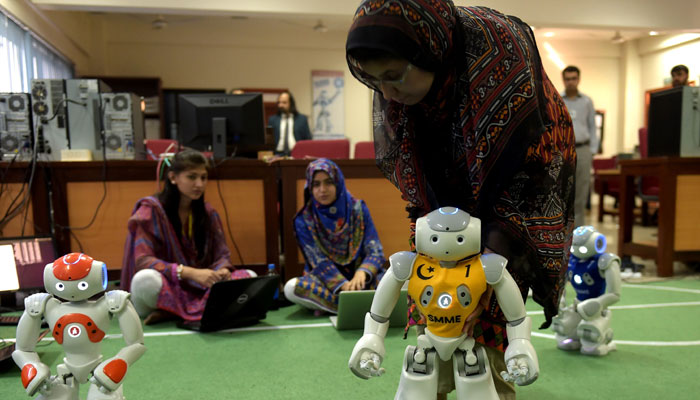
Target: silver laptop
{"points": [[353, 305]]}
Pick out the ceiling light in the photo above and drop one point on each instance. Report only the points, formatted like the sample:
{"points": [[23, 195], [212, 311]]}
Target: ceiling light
{"points": [[320, 27], [549, 34], [617, 38], [653, 33]]}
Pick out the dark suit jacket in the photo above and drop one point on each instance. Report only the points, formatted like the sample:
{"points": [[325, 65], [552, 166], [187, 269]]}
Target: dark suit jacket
{"points": [[301, 127]]}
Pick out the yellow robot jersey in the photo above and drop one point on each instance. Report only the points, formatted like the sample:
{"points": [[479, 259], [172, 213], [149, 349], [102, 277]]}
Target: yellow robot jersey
{"points": [[446, 296]]}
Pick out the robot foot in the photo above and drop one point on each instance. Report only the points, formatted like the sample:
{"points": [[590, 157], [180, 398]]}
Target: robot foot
{"points": [[569, 344], [599, 350], [59, 391], [96, 394]]}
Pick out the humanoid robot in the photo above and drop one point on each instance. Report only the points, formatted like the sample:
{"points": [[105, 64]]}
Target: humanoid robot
{"points": [[595, 276], [79, 325], [447, 276]]}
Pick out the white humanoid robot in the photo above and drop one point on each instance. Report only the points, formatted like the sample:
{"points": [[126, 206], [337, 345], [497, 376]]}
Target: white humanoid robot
{"points": [[79, 325], [595, 276], [447, 277]]}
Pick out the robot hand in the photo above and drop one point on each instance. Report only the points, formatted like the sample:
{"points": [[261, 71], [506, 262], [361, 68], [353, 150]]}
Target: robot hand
{"points": [[36, 378], [521, 361], [589, 309], [108, 376], [367, 356]]}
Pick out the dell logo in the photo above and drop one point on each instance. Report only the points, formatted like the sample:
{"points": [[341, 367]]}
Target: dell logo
{"points": [[218, 100], [242, 298]]}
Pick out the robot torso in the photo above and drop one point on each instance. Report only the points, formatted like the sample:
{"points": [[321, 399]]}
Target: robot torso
{"points": [[79, 328], [586, 277], [446, 296]]}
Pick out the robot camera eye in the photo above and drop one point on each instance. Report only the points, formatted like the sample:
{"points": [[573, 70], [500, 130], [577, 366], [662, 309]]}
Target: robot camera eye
{"points": [[434, 238], [83, 285], [60, 286], [460, 239]]}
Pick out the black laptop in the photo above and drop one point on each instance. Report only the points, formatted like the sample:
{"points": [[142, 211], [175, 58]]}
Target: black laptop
{"points": [[236, 303]]}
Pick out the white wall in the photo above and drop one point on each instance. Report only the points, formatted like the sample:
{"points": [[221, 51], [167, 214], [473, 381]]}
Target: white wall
{"points": [[599, 62], [209, 52]]}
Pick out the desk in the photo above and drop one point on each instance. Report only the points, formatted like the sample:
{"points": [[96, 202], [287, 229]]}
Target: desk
{"points": [[247, 187], [604, 181], [679, 219]]}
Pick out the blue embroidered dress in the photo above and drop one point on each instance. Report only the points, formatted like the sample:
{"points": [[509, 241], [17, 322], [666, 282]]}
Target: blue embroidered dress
{"points": [[336, 241]]}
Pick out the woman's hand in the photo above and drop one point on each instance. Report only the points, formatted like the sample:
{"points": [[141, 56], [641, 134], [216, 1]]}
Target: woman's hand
{"points": [[203, 276], [356, 283], [483, 303], [224, 274]]}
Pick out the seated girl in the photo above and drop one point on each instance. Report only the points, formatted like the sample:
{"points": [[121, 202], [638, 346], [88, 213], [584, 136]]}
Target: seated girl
{"points": [[176, 249], [337, 236]]}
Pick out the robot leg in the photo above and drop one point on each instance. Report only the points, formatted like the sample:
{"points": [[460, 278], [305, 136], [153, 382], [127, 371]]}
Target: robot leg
{"points": [[596, 335], [95, 394], [472, 373], [564, 326], [60, 387], [419, 375]]}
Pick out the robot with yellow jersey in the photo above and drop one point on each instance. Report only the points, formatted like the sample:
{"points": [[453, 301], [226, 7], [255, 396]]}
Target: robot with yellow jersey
{"points": [[447, 276]]}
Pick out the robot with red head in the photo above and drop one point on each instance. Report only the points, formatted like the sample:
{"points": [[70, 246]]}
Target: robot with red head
{"points": [[79, 325]]}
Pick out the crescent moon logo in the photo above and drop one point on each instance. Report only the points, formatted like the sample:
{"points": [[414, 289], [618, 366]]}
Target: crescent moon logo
{"points": [[420, 274]]}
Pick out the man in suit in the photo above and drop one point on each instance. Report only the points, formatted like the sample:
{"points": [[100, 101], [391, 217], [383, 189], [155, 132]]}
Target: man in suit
{"points": [[289, 125]]}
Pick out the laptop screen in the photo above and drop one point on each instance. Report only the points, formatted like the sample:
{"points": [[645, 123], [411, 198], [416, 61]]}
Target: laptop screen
{"points": [[24, 259], [8, 270]]}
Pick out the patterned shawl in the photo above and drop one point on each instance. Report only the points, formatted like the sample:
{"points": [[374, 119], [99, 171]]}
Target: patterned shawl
{"points": [[491, 137], [337, 229]]}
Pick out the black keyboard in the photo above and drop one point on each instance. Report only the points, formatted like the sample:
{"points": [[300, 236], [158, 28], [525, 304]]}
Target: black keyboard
{"points": [[9, 319]]}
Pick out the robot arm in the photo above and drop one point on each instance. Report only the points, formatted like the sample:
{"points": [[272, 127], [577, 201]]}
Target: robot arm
{"points": [[368, 353], [521, 359], [110, 373], [34, 372], [609, 264]]}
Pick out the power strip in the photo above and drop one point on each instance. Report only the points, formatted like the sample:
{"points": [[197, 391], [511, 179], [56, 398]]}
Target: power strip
{"points": [[76, 155]]}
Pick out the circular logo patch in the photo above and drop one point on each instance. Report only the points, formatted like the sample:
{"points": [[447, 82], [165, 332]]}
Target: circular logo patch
{"points": [[242, 298], [444, 300], [74, 331]]}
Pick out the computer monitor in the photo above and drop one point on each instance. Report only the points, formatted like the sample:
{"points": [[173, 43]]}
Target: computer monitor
{"points": [[225, 124], [674, 123]]}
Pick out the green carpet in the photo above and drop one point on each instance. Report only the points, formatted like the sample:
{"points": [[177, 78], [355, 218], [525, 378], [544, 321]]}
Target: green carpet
{"points": [[311, 362]]}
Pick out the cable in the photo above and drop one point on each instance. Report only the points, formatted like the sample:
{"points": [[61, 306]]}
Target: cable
{"points": [[221, 197], [104, 171]]}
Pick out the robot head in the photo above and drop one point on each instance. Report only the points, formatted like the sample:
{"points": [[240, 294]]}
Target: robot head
{"points": [[587, 242], [448, 234], [75, 277]]}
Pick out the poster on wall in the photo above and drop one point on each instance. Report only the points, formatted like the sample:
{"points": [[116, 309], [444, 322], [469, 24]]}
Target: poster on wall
{"points": [[328, 107]]}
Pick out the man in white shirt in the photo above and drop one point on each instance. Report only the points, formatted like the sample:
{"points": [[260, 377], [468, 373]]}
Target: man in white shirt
{"points": [[582, 114], [289, 125]]}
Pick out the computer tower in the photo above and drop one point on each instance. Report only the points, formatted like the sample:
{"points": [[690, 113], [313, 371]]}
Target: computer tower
{"points": [[49, 118], [85, 114], [15, 127], [123, 125], [674, 122]]}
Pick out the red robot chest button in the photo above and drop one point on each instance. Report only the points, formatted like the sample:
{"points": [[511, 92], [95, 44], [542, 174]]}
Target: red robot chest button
{"points": [[95, 334], [115, 370], [28, 373]]}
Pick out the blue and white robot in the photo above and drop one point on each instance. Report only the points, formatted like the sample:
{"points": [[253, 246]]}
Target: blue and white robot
{"points": [[595, 276]]}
